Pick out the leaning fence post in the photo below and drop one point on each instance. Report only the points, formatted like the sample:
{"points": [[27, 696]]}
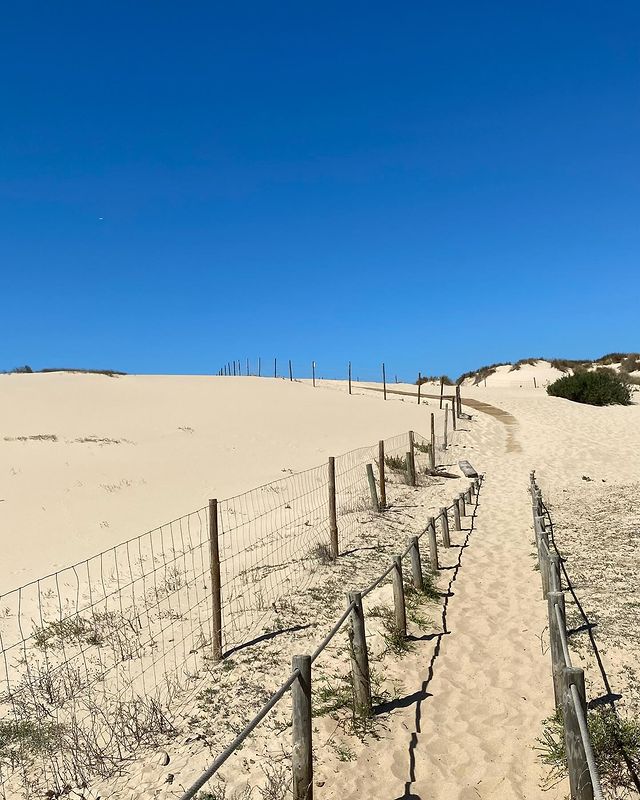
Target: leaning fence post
{"points": [[372, 488], [579, 777], [333, 517], [216, 587], [419, 385], [456, 514], [433, 543], [412, 451], [441, 389], [555, 641], [384, 382], [383, 486], [359, 657], [416, 564], [446, 541], [398, 596], [302, 750], [462, 504]]}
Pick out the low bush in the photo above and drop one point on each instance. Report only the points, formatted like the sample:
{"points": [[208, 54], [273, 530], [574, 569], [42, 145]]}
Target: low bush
{"points": [[600, 388]]}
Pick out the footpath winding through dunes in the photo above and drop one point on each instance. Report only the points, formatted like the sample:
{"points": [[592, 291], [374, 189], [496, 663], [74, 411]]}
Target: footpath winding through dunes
{"points": [[471, 715]]}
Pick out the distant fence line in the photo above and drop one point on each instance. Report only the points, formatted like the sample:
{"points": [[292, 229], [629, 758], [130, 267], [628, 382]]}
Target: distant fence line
{"points": [[93, 655], [568, 681], [299, 682]]}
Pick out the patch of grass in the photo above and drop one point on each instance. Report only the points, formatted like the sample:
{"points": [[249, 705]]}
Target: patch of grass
{"points": [[600, 388], [611, 738], [396, 463], [321, 553]]}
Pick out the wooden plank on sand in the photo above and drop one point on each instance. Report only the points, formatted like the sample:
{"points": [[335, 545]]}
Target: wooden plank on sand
{"points": [[467, 470]]}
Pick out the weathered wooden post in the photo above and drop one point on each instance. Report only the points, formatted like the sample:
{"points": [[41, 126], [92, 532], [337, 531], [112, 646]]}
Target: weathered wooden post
{"points": [[247, 367], [383, 486], [359, 657], [290, 371], [416, 564], [372, 488], [275, 367], [446, 541], [555, 580], [446, 431], [441, 390], [433, 434], [453, 415], [400, 612], [411, 475], [384, 382], [544, 564], [467, 496], [456, 515], [313, 372], [333, 516], [349, 377], [461, 503], [557, 655], [412, 453], [578, 768], [419, 386], [234, 368], [301, 730], [433, 543], [216, 584]]}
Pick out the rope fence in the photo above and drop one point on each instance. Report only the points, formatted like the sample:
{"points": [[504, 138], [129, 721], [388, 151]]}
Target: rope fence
{"points": [[568, 681], [299, 682], [97, 659]]}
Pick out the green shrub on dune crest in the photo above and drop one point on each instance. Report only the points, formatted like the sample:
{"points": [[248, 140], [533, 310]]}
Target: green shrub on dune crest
{"points": [[600, 388]]}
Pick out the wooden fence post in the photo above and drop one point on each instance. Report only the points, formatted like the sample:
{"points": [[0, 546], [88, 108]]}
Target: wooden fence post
{"points": [[383, 486], [384, 382], [441, 390], [411, 475], [313, 371], [412, 451], [398, 596], [359, 657], [467, 496], [446, 430], [463, 507], [372, 488], [453, 415], [557, 654], [290, 371], [433, 433], [234, 368], [555, 579], [216, 585], [446, 541], [433, 543], [259, 367], [247, 367], [416, 564], [333, 517], [349, 377], [544, 564], [579, 778], [301, 730], [456, 515], [419, 386], [275, 367]]}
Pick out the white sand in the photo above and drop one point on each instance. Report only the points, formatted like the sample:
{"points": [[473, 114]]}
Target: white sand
{"points": [[471, 715]]}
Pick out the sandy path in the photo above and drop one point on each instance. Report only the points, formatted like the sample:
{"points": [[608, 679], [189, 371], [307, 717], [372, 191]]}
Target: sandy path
{"points": [[474, 700]]}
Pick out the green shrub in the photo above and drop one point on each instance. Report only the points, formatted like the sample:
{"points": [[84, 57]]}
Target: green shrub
{"points": [[600, 388]]}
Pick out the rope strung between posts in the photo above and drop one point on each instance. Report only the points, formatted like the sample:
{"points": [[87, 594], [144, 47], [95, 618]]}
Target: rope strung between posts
{"points": [[586, 743], [266, 708]]}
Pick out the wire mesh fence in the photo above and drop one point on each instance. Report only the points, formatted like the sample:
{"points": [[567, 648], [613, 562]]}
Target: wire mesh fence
{"points": [[96, 659]]}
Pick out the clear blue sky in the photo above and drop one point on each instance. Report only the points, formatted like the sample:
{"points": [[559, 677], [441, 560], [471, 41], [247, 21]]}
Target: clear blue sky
{"points": [[436, 185]]}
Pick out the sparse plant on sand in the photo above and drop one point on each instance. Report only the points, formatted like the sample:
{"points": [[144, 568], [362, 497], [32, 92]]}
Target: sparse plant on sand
{"points": [[615, 742], [396, 463]]}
